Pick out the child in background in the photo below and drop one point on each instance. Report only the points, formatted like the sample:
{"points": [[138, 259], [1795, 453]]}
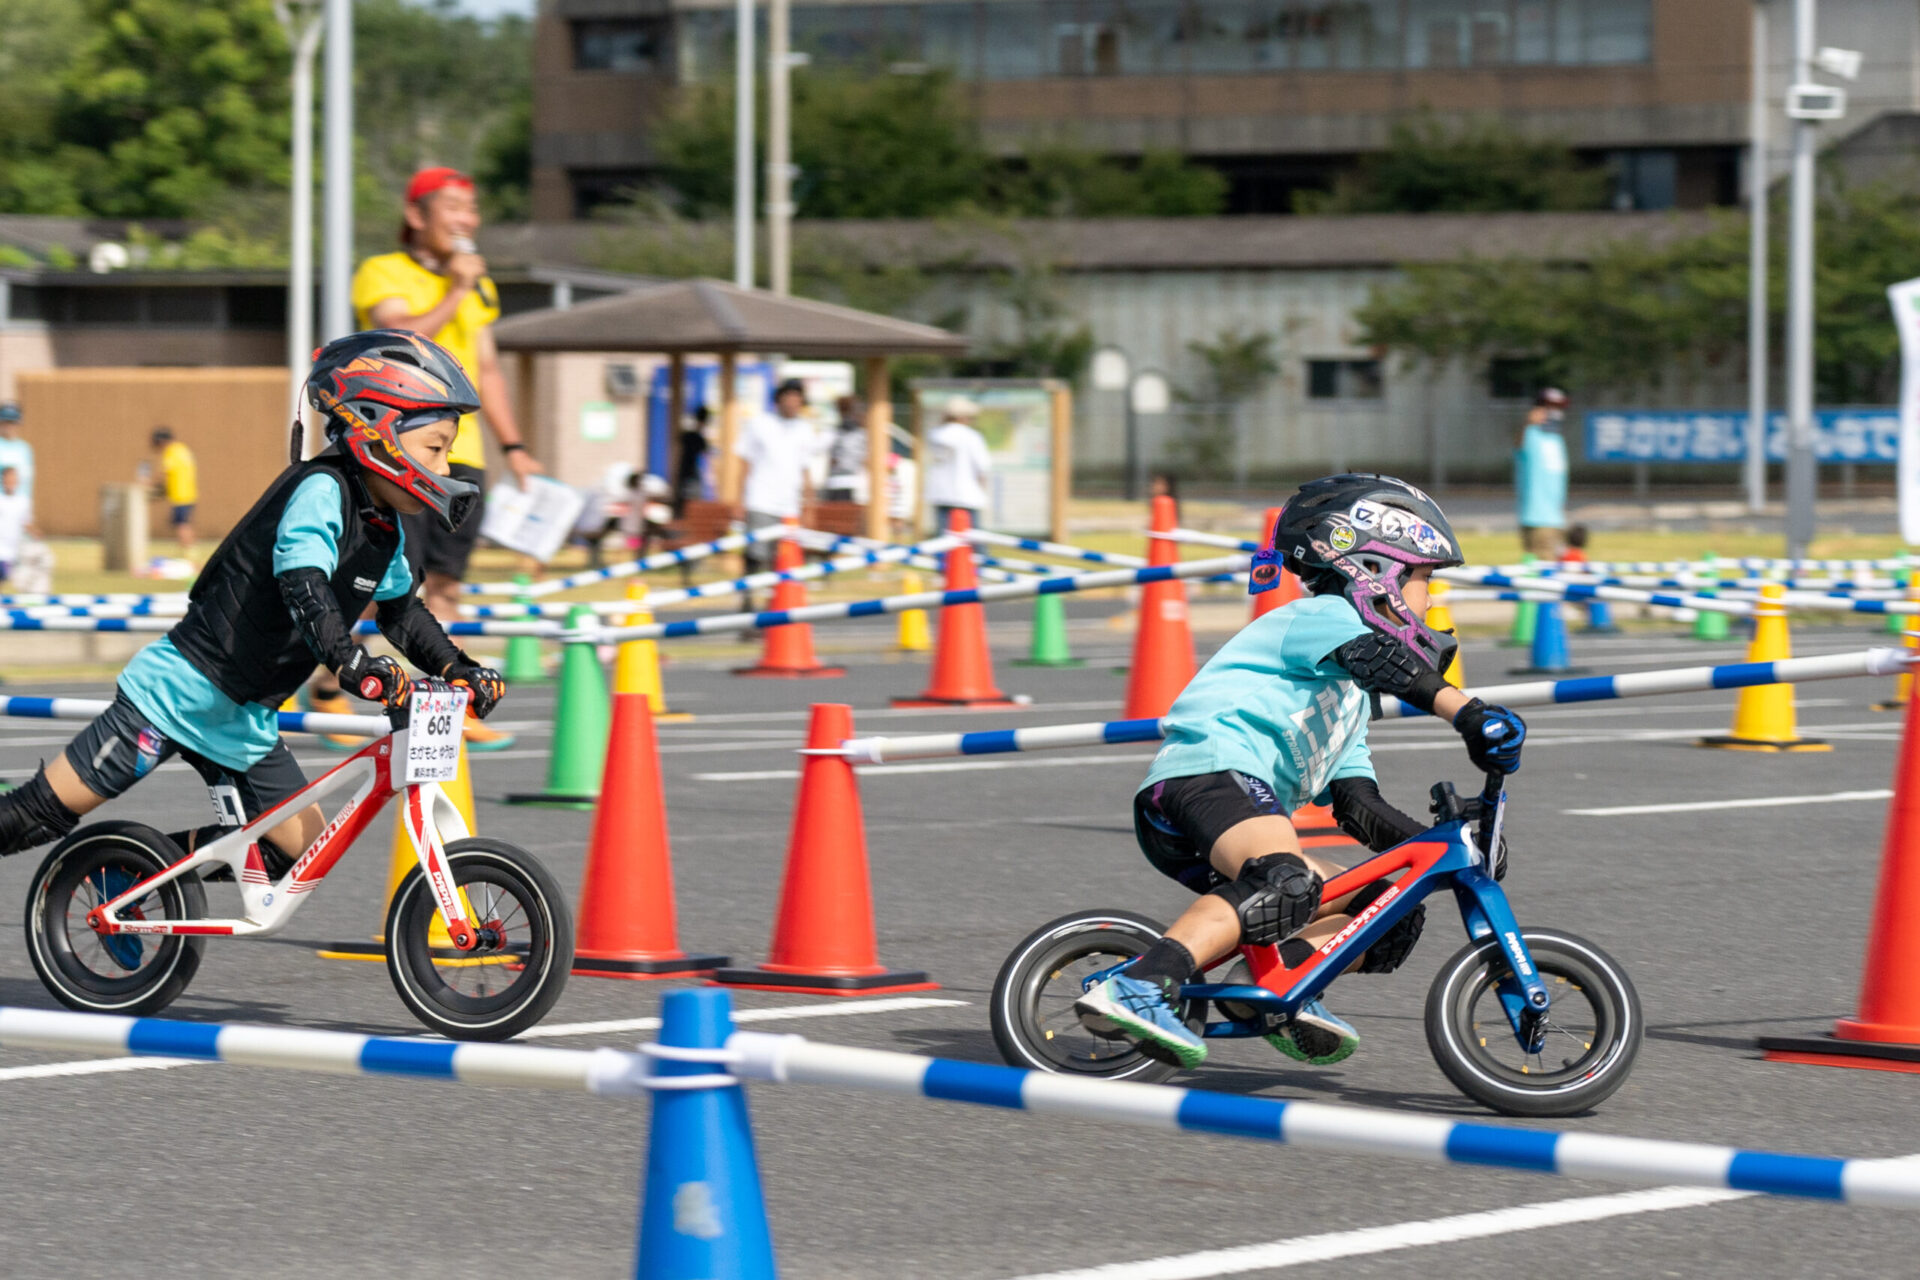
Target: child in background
{"points": [[179, 484], [1576, 551], [16, 520]]}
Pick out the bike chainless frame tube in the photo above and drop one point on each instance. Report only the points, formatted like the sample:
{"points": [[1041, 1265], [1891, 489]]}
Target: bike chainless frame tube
{"points": [[1445, 854], [376, 772]]}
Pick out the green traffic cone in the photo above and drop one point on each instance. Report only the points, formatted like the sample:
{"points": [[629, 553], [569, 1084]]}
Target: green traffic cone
{"points": [[1525, 617], [1709, 624], [1897, 623], [581, 716], [523, 664], [1049, 645]]}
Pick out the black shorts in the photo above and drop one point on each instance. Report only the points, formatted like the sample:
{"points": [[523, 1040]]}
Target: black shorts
{"points": [[431, 548], [1177, 821], [121, 746]]}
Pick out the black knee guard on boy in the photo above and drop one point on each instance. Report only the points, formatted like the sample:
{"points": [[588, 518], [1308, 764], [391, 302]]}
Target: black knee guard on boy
{"points": [[1275, 895], [32, 815]]}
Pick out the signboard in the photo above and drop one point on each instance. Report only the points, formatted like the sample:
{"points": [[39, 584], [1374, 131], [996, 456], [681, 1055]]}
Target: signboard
{"points": [[534, 520], [1017, 422], [1905, 298], [434, 724], [1869, 434]]}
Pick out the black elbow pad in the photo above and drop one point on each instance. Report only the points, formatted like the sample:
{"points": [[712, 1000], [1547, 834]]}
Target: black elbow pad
{"points": [[1365, 815], [1383, 665], [309, 598], [412, 629]]}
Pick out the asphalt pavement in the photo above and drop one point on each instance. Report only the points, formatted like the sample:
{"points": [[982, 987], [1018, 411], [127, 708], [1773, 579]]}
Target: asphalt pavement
{"points": [[1732, 922]]}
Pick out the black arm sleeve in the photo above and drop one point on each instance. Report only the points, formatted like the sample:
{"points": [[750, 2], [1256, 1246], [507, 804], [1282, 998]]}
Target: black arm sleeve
{"points": [[316, 615], [1362, 814], [1380, 664], [414, 631]]}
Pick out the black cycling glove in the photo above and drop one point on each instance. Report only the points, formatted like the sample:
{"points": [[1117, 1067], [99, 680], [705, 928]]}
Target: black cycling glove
{"points": [[485, 687], [380, 680], [1493, 735]]}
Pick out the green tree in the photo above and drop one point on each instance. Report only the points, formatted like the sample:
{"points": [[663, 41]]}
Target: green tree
{"points": [[37, 39], [167, 101], [1482, 167], [1071, 183], [1236, 364]]}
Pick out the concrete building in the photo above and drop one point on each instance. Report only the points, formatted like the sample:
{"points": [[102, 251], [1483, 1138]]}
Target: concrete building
{"points": [[1278, 94]]}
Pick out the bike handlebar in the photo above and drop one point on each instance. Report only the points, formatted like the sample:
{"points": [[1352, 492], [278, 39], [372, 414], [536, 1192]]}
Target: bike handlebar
{"points": [[397, 717], [1490, 806]]}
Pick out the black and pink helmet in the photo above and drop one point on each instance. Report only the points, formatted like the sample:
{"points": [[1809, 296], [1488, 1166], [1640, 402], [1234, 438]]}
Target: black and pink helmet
{"points": [[1360, 536]]}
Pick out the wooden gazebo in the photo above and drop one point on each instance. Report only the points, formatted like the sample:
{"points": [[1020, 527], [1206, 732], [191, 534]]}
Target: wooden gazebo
{"points": [[711, 317]]}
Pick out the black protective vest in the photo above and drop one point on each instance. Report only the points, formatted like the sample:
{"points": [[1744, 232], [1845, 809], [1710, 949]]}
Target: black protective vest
{"points": [[237, 631]]}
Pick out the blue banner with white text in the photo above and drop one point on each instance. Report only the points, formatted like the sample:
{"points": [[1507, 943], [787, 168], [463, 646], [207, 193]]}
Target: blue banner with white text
{"points": [[1869, 434]]}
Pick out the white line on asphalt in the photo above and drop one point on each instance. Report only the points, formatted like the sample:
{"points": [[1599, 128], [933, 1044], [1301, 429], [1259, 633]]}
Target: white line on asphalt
{"points": [[837, 1009], [1302, 1250], [938, 766], [894, 1004], [1701, 806]]}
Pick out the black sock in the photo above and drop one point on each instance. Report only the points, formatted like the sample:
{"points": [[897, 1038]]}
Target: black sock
{"points": [[1295, 952], [1166, 960]]}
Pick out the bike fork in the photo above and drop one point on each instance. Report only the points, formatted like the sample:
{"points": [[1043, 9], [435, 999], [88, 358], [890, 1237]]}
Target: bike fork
{"points": [[1524, 996], [421, 803]]}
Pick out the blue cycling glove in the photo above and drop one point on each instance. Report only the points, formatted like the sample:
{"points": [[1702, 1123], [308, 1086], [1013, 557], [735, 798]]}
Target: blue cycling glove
{"points": [[1493, 736]]}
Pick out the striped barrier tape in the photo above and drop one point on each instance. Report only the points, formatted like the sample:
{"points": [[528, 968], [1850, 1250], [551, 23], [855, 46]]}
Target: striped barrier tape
{"points": [[1536, 693], [290, 721], [1574, 591], [628, 568], [1198, 538], [1061, 549], [25, 601], [733, 622], [791, 1059]]}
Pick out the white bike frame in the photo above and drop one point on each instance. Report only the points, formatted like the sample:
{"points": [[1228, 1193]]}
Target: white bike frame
{"points": [[376, 773]]}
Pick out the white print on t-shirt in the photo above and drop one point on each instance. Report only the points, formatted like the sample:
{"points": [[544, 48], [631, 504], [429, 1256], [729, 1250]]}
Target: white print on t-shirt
{"points": [[1322, 732]]}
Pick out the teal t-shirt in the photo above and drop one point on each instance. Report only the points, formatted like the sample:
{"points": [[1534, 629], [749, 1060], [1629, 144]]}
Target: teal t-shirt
{"points": [[1272, 705], [1540, 478], [186, 706]]}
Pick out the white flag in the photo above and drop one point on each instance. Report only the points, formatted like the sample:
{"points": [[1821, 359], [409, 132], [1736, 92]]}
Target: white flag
{"points": [[1905, 298]]}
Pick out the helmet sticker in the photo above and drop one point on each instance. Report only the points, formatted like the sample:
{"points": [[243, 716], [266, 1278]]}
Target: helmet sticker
{"points": [[1342, 537]]}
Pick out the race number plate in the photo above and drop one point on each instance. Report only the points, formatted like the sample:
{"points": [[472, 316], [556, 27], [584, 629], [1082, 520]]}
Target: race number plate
{"points": [[433, 735]]}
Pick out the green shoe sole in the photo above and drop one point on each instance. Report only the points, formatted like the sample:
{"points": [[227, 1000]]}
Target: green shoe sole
{"points": [[1284, 1043], [1189, 1055]]}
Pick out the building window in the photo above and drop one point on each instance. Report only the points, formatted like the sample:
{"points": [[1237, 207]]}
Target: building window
{"points": [[1344, 380], [595, 189], [1645, 179], [26, 302], [620, 44], [1514, 377], [199, 308]]}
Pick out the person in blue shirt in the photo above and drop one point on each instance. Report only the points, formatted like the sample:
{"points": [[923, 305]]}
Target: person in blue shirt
{"points": [[1276, 720], [282, 592], [1540, 476]]}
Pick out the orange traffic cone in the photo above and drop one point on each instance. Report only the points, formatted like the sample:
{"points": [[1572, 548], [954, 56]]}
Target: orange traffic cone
{"points": [[823, 936], [626, 920], [1289, 589], [1316, 828], [788, 650], [1163, 642], [962, 662], [1885, 1034]]}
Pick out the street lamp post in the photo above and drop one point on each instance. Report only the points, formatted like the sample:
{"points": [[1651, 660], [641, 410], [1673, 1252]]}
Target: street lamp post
{"points": [[743, 144], [1149, 395], [336, 231], [1756, 467], [302, 21], [1801, 474], [1111, 370]]}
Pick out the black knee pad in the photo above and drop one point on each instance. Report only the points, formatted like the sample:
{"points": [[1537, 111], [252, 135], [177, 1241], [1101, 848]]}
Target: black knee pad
{"points": [[32, 815], [1275, 895], [1396, 944]]}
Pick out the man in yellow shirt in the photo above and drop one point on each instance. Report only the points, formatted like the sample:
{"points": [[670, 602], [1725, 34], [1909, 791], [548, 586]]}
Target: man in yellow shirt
{"points": [[179, 483], [437, 285]]}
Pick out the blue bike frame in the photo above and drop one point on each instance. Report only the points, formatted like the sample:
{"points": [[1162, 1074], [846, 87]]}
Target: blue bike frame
{"points": [[1444, 855]]}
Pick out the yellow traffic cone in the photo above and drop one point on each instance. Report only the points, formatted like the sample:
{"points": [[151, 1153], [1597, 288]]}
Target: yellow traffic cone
{"points": [[1903, 683], [1440, 618], [636, 663], [402, 860], [913, 622], [1763, 718]]}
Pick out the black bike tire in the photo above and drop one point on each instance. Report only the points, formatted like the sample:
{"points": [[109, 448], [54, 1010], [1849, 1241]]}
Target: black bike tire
{"points": [[403, 957], [1463, 975], [1012, 985], [183, 898]]}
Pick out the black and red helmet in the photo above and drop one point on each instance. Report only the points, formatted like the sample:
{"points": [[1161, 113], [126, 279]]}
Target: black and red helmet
{"points": [[373, 387]]}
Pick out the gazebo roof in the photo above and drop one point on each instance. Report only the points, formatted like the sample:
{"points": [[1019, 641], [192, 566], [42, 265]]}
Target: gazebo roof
{"points": [[713, 317]]}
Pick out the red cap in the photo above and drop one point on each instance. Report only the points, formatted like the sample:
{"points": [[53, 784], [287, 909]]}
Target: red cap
{"points": [[428, 181]]}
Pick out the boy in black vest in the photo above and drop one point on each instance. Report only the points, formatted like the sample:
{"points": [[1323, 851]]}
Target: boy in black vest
{"points": [[281, 592]]}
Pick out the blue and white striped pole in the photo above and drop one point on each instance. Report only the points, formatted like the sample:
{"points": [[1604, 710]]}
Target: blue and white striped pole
{"points": [[1535, 693], [628, 568], [787, 1059], [734, 622], [1060, 549], [290, 721]]}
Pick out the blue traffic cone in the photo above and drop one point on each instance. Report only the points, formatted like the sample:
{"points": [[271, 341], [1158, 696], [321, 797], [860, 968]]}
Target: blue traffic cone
{"points": [[1600, 618], [701, 1213], [1549, 643]]}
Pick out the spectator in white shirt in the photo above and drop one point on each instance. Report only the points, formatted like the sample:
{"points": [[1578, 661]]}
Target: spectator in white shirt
{"points": [[777, 448], [15, 452], [16, 519], [958, 466]]}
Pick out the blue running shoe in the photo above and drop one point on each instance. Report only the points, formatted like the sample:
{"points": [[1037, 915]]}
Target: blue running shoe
{"points": [[1316, 1036], [125, 948], [1140, 1007]]}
